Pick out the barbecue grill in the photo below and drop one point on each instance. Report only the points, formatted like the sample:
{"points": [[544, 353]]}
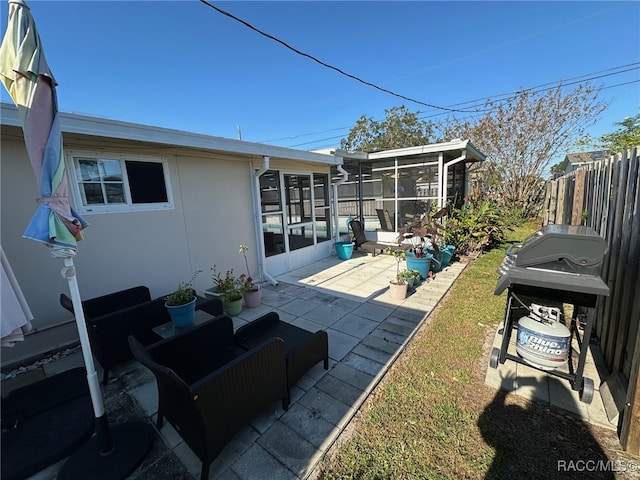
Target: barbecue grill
{"points": [[558, 263]]}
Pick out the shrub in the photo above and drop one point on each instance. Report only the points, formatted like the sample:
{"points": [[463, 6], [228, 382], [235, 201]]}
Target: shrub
{"points": [[476, 227]]}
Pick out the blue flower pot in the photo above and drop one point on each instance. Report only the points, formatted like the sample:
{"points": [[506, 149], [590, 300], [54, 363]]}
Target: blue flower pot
{"points": [[344, 250], [442, 257], [183, 315], [420, 264], [447, 253]]}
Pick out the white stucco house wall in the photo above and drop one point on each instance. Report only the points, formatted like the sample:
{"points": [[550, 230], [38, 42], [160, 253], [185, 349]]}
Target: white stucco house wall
{"points": [[161, 205]]}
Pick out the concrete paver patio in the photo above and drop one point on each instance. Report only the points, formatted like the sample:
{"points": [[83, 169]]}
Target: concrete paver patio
{"points": [[367, 331]]}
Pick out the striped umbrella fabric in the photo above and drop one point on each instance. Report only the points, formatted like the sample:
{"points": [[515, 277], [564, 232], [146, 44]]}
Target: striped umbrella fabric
{"points": [[26, 76], [109, 454]]}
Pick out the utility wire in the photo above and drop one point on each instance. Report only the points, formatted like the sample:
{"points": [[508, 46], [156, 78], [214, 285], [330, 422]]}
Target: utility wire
{"points": [[450, 109], [540, 88], [341, 72], [435, 125], [534, 89]]}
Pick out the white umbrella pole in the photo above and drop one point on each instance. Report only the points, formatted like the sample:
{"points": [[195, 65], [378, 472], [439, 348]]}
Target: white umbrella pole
{"points": [[69, 273], [111, 455]]}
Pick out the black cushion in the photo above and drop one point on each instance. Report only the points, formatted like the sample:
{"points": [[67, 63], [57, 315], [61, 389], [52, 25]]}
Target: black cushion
{"points": [[45, 422]]}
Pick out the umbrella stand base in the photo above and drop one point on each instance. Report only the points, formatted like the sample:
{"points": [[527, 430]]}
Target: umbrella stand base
{"points": [[131, 442]]}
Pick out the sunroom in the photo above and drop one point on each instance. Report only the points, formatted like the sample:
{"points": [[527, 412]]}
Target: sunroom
{"points": [[389, 188]]}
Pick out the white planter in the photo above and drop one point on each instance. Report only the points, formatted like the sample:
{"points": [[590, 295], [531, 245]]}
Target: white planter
{"points": [[398, 291]]}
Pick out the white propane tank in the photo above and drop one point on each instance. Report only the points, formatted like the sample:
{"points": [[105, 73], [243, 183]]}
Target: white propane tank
{"points": [[543, 341]]}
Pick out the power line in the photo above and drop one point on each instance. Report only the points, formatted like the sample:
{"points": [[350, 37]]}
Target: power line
{"points": [[535, 89], [435, 125], [474, 103], [539, 88], [341, 72]]}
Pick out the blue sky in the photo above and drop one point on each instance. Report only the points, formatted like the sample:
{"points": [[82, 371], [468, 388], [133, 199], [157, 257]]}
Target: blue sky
{"points": [[182, 65]]}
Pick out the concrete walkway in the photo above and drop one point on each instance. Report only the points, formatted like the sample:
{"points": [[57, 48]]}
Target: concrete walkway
{"points": [[367, 331]]}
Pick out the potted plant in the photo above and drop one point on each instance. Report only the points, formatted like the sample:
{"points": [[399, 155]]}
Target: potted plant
{"points": [[398, 286], [252, 290], [230, 288], [419, 259], [407, 276], [181, 303], [416, 277]]}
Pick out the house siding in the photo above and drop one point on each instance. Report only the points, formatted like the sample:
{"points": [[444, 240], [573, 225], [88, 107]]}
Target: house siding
{"points": [[212, 215]]}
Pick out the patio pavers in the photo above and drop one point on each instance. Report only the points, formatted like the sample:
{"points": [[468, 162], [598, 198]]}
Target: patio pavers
{"points": [[367, 330], [529, 382]]}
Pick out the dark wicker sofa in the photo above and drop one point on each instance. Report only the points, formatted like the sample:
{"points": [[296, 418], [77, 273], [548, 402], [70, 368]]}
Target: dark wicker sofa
{"points": [[303, 348], [113, 317], [209, 387]]}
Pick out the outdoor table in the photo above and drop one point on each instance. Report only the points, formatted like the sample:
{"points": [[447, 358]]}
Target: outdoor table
{"points": [[168, 329]]}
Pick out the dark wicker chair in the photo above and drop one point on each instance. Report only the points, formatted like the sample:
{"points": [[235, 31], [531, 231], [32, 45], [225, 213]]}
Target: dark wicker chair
{"points": [[303, 348], [208, 387], [112, 318]]}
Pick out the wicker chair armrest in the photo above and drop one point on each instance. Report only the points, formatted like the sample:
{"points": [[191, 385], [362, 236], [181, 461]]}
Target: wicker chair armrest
{"points": [[197, 349], [257, 326], [213, 306], [305, 355]]}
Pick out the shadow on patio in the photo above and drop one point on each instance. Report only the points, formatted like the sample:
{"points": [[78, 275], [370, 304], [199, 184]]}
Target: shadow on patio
{"points": [[367, 331]]}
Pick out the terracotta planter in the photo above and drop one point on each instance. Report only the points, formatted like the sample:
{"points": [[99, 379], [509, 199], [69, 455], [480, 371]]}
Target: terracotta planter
{"points": [[253, 298], [398, 291], [182, 315]]}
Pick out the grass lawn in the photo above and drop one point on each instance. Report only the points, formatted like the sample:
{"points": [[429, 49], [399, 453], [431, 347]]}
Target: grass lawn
{"points": [[432, 416]]}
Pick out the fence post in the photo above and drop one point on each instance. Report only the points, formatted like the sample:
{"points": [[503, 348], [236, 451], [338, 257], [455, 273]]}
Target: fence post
{"points": [[578, 197]]}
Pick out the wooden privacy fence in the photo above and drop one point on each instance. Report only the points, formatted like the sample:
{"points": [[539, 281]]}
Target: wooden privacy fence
{"points": [[604, 196]]}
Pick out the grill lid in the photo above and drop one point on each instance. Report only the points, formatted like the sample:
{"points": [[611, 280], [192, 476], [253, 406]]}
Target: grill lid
{"points": [[558, 257], [575, 244]]}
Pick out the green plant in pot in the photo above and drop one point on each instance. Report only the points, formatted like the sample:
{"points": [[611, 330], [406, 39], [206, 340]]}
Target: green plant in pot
{"points": [[416, 277], [230, 288], [398, 286], [407, 276], [252, 290], [181, 303]]}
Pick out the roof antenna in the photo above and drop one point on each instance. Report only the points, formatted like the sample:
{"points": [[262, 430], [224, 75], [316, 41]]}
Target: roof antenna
{"points": [[239, 133]]}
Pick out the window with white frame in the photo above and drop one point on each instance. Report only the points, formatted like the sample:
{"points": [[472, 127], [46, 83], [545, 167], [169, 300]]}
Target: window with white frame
{"points": [[106, 183]]}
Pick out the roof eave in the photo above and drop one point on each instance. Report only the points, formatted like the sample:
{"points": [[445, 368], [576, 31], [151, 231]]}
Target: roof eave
{"points": [[473, 154], [102, 127]]}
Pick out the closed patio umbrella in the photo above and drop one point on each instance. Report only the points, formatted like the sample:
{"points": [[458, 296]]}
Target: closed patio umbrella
{"points": [[110, 454]]}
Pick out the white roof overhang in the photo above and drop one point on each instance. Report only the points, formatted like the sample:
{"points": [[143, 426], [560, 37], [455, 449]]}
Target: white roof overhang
{"points": [[112, 129], [472, 155]]}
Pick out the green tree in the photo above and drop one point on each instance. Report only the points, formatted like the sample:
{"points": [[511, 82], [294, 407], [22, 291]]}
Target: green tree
{"points": [[522, 134], [627, 136], [560, 167], [400, 128]]}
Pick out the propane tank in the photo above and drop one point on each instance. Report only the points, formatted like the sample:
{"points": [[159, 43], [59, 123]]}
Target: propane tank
{"points": [[543, 340]]}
